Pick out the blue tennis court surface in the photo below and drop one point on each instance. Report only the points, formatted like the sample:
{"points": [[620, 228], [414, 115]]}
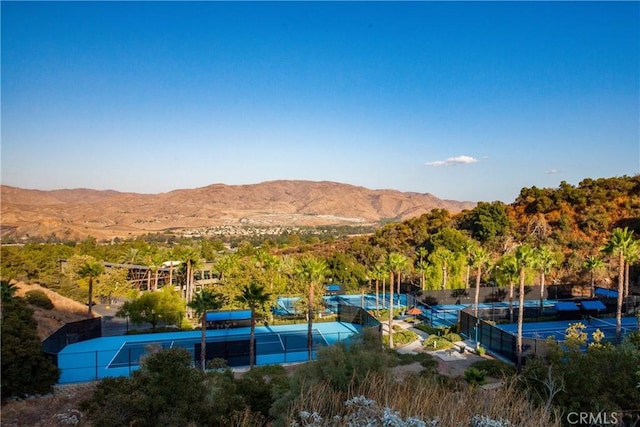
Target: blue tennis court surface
{"points": [[119, 355], [288, 305], [447, 314], [556, 329]]}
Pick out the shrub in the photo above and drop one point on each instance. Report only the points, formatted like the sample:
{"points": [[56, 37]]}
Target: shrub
{"points": [[166, 390], [435, 342], [261, 385], [426, 360], [495, 368], [433, 330], [401, 337], [475, 376], [39, 299], [453, 337], [25, 368], [484, 421]]}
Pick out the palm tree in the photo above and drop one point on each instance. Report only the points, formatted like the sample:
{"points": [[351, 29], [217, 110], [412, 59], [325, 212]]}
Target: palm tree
{"points": [[618, 244], [509, 270], [422, 253], [544, 261], [255, 297], [270, 265], [313, 271], [191, 259], [468, 247], [524, 259], [378, 273], [203, 301], [592, 264], [632, 256], [396, 262], [90, 269], [227, 265], [444, 257], [424, 268], [479, 258], [7, 292]]}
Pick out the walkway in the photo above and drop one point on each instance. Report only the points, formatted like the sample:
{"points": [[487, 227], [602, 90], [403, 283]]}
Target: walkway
{"points": [[451, 362]]}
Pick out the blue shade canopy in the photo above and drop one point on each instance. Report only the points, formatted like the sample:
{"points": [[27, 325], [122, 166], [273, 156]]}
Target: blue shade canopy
{"points": [[567, 306], [219, 316], [607, 293], [593, 305]]}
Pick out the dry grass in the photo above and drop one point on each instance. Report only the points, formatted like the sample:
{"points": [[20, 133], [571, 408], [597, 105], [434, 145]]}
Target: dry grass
{"points": [[57, 409], [454, 404], [65, 310]]}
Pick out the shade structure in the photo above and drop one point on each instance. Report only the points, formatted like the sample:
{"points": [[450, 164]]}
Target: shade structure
{"points": [[607, 293], [414, 311], [567, 306], [593, 305]]}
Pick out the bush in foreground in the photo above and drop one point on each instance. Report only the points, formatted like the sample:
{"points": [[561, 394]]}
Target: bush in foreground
{"points": [[25, 368]]}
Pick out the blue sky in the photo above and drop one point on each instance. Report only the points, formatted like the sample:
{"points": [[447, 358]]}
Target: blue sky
{"points": [[464, 100]]}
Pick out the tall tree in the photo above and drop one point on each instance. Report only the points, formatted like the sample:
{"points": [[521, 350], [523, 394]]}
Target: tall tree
{"points": [[227, 266], [444, 257], [524, 259], [255, 297], [90, 270], [25, 368], [203, 301], [543, 260], [508, 271], [7, 293], [422, 253], [379, 273], [150, 307], [424, 268], [618, 245], [396, 263], [631, 257], [192, 261], [312, 270], [592, 264], [468, 247], [479, 258]]}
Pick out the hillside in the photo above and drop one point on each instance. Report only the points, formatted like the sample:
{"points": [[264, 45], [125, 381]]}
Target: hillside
{"points": [[107, 214], [65, 310]]}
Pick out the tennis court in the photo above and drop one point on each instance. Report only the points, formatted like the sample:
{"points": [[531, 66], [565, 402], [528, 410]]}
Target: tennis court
{"points": [[447, 314], [289, 305], [120, 355], [556, 329]]}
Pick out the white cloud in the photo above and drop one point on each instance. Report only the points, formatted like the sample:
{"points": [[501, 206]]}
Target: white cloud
{"points": [[552, 171], [452, 161]]}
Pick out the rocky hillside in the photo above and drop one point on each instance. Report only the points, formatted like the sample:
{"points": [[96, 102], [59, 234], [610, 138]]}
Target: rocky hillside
{"points": [[107, 214]]}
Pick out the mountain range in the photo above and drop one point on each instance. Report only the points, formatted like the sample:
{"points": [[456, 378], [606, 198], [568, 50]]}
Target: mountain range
{"points": [[105, 214]]}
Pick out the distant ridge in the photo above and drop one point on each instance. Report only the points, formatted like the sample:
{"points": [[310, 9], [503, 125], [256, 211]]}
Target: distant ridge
{"points": [[105, 214]]}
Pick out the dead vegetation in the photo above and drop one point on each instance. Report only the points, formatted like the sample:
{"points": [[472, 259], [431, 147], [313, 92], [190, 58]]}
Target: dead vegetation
{"points": [[65, 310]]}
